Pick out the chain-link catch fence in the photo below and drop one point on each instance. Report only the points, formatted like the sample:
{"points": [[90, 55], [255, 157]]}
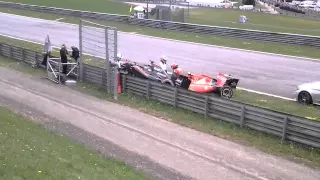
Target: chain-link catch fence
{"points": [[98, 47]]}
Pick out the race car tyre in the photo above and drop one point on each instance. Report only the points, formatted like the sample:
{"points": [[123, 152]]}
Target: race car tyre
{"points": [[226, 92], [304, 98], [124, 72], [168, 82]]}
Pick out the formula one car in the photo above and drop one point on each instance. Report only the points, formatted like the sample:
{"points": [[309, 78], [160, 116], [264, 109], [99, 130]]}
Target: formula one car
{"points": [[151, 71], [223, 85]]}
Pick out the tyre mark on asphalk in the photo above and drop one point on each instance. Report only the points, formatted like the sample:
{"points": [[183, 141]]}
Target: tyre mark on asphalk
{"points": [[104, 120]]}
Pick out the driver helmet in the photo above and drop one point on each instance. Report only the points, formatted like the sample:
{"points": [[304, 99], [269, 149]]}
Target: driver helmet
{"points": [[163, 59], [119, 56], [174, 66]]}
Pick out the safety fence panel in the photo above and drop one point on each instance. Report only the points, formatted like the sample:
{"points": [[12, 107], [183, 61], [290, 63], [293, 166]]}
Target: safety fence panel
{"points": [[98, 45]]}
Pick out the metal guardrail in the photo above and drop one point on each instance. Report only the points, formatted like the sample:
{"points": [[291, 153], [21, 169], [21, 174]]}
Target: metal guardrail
{"points": [[285, 126], [284, 38]]}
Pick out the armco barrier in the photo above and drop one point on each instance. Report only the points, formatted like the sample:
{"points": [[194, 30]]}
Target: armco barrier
{"points": [[293, 39], [285, 126]]}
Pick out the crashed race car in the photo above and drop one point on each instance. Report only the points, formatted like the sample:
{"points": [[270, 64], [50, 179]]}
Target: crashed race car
{"points": [[151, 71], [223, 85]]}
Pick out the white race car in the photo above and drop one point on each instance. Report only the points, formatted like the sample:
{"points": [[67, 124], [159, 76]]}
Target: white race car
{"points": [[308, 93]]}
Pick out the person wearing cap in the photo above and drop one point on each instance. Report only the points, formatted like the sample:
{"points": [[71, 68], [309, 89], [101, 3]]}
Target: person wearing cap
{"points": [[163, 63], [47, 51], [64, 58], [119, 58], [176, 72]]}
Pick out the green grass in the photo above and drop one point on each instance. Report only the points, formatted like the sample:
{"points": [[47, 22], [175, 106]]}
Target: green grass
{"points": [[206, 16], [302, 51], [29, 151], [311, 112], [106, 6], [261, 141], [272, 103], [257, 21]]}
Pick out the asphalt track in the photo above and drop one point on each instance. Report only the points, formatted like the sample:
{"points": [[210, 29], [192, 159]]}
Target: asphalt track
{"points": [[278, 75], [183, 150]]}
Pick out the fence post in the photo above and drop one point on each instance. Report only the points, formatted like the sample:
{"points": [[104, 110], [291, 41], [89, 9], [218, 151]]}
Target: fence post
{"points": [[175, 96], [284, 130], [10, 51], [34, 64], [148, 89], [243, 111], [103, 78], [206, 108], [115, 46], [81, 68], [107, 62], [124, 82], [115, 84], [22, 55]]}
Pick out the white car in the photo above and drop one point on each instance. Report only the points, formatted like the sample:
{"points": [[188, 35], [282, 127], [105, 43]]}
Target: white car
{"points": [[308, 93]]}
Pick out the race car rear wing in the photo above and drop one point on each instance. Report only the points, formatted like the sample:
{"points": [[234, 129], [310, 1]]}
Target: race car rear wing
{"points": [[224, 79]]}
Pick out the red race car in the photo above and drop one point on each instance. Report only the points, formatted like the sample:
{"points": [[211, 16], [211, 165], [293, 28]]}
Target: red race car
{"points": [[223, 85]]}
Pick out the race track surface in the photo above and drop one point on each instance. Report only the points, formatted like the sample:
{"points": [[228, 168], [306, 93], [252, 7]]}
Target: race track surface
{"points": [[189, 152], [272, 74]]}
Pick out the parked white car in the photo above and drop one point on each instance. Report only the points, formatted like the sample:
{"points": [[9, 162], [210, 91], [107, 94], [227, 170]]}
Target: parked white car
{"points": [[308, 93]]}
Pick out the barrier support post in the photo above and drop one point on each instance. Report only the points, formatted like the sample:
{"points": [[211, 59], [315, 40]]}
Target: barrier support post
{"points": [[284, 130], [243, 110], [115, 83], [81, 68]]}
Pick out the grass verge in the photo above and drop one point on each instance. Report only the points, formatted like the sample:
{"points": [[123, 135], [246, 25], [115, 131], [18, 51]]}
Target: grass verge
{"points": [[29, 151], [266, 143], [302, 51], [206, 16], [311, 112]]}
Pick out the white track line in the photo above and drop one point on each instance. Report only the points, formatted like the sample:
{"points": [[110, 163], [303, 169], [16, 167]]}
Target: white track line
{"points": [[244, 89], [266, 94], [59, 19]]}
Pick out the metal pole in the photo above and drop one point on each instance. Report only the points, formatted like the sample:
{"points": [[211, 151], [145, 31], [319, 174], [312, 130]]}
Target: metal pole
{"points": [[115, 83], [107, 62], [115, 87], [147, 9], [170, 10], [80, 69], [59, 79], [188, 11]]}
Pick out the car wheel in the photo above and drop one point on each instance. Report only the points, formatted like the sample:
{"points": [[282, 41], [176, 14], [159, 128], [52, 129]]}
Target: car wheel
{"points": [[167, 82], [304, 97], [226, 92]]}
